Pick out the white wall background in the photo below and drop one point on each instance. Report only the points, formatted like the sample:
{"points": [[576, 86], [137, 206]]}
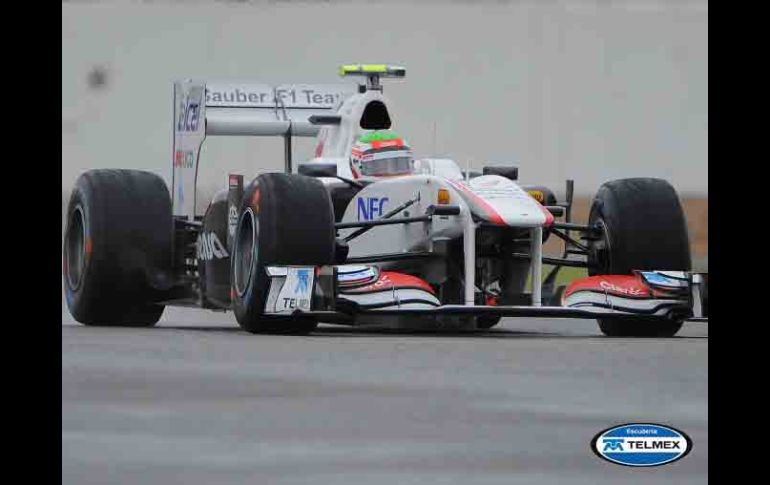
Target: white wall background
{"points": [[583, 89]]}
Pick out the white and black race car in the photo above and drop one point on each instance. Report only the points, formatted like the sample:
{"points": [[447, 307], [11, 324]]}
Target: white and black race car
{"points": [[438, 247]]}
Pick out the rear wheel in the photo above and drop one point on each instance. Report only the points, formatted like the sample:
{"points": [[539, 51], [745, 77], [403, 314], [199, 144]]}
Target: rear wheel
{"points": [[284, 220], [117, 247], [642, 227]]}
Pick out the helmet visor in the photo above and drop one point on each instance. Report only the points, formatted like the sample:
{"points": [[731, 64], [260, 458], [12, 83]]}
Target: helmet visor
{"points": [[387, 166]]}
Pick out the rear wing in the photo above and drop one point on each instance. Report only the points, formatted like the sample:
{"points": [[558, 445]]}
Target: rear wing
{"points": [[202, 109]]}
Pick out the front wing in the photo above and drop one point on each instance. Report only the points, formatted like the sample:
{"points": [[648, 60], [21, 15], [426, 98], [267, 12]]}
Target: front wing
{"points": [[329, 303]]}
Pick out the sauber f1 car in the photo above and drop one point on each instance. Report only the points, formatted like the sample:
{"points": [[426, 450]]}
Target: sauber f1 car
{"points": [[363, 233]]}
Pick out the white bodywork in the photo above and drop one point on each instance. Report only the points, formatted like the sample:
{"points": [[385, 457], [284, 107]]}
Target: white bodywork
{"points": [[239, 109], [491, 198], [338, 114], [202, 109], [506, 202]]}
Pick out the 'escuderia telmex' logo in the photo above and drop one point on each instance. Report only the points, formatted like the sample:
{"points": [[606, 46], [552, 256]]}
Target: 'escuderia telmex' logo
{"points": [[641, 444]]}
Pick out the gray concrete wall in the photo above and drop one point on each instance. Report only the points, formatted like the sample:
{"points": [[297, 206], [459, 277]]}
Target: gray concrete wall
{"points": [[581, 89]]}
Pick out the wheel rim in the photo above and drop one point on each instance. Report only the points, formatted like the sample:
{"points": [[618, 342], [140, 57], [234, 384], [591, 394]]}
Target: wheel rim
{"points": [[75, 248], [246, 251]]}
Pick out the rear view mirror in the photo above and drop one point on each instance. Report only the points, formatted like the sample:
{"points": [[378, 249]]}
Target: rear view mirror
{"points": [[318, 169], [508, 172]]}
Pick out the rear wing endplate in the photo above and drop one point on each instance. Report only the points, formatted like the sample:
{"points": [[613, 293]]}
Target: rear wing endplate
{"points": [[202, 109]]}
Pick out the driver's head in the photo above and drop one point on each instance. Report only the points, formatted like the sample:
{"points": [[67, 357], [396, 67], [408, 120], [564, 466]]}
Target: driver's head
{"points": [[381, 154]]}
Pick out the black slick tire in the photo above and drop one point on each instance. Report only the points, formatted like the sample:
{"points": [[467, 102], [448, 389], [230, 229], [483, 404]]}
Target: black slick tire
{"points": [[117, 248], [285, 219], [643, 227]]}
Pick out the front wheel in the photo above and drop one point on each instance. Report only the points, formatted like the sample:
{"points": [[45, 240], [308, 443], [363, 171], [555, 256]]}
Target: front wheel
{"points": [[284, 220], [642, 227]]}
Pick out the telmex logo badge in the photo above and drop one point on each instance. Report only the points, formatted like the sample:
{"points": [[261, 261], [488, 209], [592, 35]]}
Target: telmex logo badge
{"points": [[641, 445]]}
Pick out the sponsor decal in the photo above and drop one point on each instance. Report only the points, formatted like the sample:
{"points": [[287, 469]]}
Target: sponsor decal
{"points": [[189, 111], [232, 220], [494, 191], [370, 208], [488, 182], [302, 281], [641, 444], [491, 214], [620, 285], [625, 290], [537, 195], [184, 159], [296, 291], [266, 97], [306, 97], [238, 96], [210, 247]]}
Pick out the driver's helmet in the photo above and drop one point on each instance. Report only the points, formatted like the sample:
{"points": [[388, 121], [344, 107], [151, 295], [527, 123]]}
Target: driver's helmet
{"points": [[380, 154]]}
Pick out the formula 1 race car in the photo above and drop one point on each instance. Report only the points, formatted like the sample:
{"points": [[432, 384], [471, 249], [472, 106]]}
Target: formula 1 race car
{"points": [[363, 233]]}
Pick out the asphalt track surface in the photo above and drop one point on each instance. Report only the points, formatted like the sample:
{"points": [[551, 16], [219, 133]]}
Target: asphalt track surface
{"points": [[196, 400]]}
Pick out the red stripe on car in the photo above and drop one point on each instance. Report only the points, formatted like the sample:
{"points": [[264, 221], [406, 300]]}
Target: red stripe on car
{"points": [[490, 211], [617, 285], [547, 214]]}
